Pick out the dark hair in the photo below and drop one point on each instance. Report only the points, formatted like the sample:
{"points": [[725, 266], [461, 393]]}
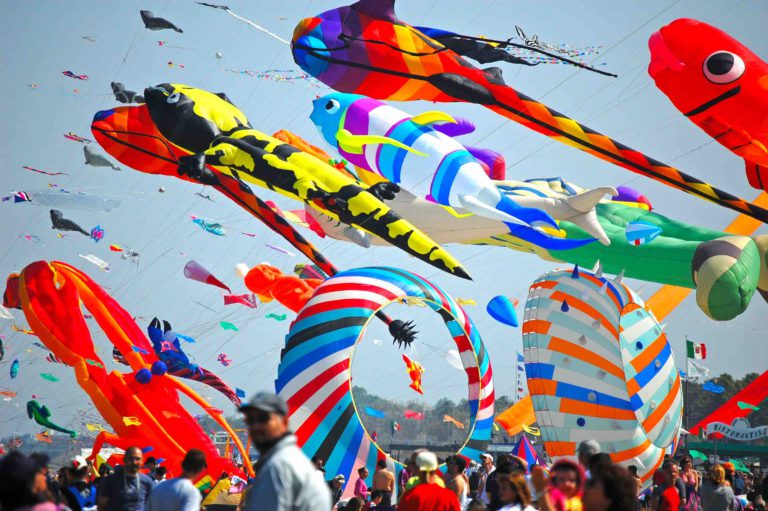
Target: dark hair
{"points": [[354, 504], [161, 471], [632, 469], [17, 478], [619, 486], [316, 458], [194, 461], [479, 505], [382, 464], [598, 462], [360, 470], [460, 462]]}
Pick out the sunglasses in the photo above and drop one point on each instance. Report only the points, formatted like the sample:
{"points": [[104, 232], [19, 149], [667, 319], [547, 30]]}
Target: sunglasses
{"points": [[257, 417]]}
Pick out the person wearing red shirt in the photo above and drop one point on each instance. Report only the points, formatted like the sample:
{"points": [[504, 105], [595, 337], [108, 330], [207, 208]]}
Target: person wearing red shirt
{"points": [[428, 494], [670, 497]]}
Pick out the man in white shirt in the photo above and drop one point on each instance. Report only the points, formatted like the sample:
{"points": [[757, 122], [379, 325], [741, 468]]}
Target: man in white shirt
{"points": [[486, 469], [180, 494]]}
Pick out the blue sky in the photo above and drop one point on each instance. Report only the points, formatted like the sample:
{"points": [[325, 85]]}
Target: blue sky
{"points": [[44, 38]]}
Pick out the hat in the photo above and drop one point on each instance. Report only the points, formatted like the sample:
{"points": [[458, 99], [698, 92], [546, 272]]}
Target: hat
{"points": [[426, 462], [267, 402], [79, 462], [150, 461], [729, 467], [486, 455], [339, 477]]}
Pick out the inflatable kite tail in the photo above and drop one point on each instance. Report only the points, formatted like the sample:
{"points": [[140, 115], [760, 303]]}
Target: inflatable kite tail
{"points": [[762, 248], [520, 108], [726, 272], [546, 242], [205, 376], [532, 216]]}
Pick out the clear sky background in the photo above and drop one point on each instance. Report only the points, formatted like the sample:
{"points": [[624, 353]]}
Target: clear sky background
{"points": [[43, 38]]}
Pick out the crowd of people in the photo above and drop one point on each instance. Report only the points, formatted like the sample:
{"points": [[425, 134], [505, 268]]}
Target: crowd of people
{"points": [[286, 480]]}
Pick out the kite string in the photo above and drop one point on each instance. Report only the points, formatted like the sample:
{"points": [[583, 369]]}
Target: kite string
{"points": [[258, 27]]}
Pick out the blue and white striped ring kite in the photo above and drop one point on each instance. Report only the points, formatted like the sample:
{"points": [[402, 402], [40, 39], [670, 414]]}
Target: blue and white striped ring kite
{"points": [[314, 375]]}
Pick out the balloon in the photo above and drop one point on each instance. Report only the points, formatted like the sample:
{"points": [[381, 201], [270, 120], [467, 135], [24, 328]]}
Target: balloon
{"points": [[616, 382], [392, 60], [717, 83], [313, 375], [502, 310]]}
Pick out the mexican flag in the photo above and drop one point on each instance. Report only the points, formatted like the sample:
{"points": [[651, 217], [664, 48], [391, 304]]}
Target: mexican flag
{"points": [[696, 351], [395, 426]]}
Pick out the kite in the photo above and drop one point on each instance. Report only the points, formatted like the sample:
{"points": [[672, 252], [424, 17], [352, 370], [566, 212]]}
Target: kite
{"points": [[94, 427], [52, 295], [276, 317], [196, 121], [206, 197], [281, 250], [32, 238], [4, 314], [251, 23], [364, 49], [8, 393], [713, 387], [415, 370], [249, 300], [94, 159], [411, 152], [309, 271], [73, 75], [466, 302], [25, 331], [211, 227], [717, 83], [45, 172], [14, 368], [129, 135], [224, 360], [18, 197], [502, 309], [194, 271], [127, 253], [153, 22], [49, 377], [174, 64], [41, 415], [413, 415], [270, 283], [640, 233], [44, 437], [723, 267], [314, 366], [455, 422], [66, 199], [373, 412], [525, 451], [165, 343], [77, 138], [226, 325], [62, 224], [89, 38], [51, 357], [454, 359], [746, 406], [531, 430], [603, 366], [279, 75], [124, 95]]}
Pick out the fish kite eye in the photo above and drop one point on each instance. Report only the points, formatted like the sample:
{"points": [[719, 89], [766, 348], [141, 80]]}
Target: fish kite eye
{"points": [[723, 67], [332, 106], [173, 98]]}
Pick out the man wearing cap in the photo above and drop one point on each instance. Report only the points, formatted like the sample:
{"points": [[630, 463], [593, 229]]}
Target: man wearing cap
{"points": [[80, 494], [487, 468], [428, 494], [285, 478], [127, 489], [337, 487]]}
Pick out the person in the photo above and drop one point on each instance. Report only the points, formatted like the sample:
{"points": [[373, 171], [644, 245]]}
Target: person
{"points": [[361, 489], [428, 494], [23, 485], [514, 494], [585, 451], [180, 494], [354, 504], [415, 479], [476, 505], [127, 489], [598, 462], [53, 491], [568, 482], [632, 469], [160, 474], [668, 497], [487, 468], [337, 488], [383, 479], [285, 478], [612, 488], [405, 475], [715, 494], [690, 478], [738, 484], [149, 467], [456, 479], [319, 463], [79, 494], [380, 501]]}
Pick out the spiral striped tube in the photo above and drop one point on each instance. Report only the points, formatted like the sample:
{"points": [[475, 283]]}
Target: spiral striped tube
{"points": [[314, 375]]}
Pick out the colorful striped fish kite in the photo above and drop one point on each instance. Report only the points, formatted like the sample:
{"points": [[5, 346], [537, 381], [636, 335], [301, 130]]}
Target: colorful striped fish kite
{"points": [[364, 49]]}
